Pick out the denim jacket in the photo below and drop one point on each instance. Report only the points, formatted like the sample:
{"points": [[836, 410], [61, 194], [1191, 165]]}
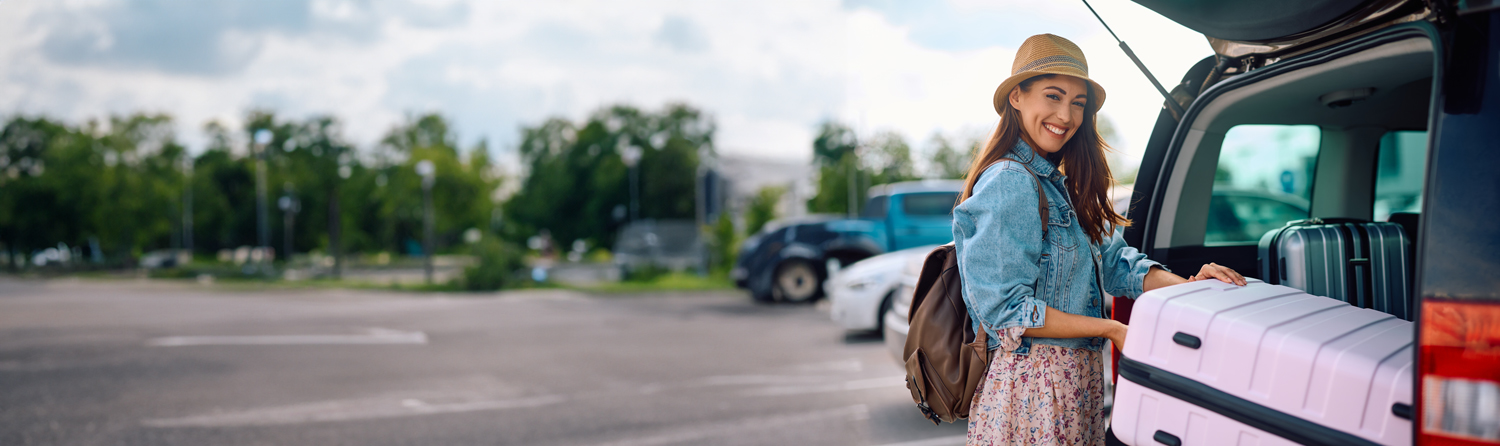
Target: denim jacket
{"points": [[1010, 275]]}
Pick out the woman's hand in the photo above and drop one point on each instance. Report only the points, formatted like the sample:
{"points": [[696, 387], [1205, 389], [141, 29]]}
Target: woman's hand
{"points": [[1217, 271], [1116, 334]]}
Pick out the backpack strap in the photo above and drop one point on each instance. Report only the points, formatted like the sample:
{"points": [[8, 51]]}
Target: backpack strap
{"points": [[1041, 202], [1041, 210]]}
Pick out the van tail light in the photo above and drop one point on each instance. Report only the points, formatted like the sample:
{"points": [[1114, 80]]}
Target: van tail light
{"points": [[1119, 310], [1459, 371]]}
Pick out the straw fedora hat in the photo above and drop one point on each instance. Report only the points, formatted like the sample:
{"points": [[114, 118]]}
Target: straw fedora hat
{"points": [[1047, 54]]}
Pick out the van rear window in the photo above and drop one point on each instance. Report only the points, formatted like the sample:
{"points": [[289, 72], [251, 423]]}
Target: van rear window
{"points": [[1400, 171], [1263, 180], [929, 203]]}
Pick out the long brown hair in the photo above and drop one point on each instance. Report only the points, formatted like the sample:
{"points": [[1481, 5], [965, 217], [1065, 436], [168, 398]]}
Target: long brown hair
{"points": [[1081, 159]]}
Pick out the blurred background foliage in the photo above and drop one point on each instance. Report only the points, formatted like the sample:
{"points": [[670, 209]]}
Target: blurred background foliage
{"points": [[118, 189], [576, 183], [123, 185], [848, 167]]}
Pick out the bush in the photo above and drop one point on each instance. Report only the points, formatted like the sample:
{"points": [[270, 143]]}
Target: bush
{"points": [[646, 273], [723, 244], [495, 267], [600, 255]]}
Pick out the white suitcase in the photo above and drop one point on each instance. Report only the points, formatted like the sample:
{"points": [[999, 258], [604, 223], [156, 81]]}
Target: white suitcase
{"points": [[1209, 363]]}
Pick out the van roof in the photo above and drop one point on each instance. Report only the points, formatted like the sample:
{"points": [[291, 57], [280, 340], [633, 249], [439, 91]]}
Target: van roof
{"points": [[908, 187], [1239, 27]]}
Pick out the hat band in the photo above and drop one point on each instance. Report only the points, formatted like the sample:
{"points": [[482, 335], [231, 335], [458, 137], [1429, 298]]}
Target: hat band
{"points": [[1054, 61]]}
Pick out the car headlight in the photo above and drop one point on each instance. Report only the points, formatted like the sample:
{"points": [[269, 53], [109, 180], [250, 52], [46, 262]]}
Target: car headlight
{"points": [[860, 284], [750, 243]]}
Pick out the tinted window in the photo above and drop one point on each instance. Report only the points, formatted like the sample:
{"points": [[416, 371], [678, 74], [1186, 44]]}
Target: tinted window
{"points": [[929, 203], [1263, 181], [1237, 216], [1399, 173], [876, 207]]}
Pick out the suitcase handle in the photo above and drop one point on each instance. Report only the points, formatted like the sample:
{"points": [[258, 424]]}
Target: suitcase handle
{"points": [[1167, 439], [1325, 221]]}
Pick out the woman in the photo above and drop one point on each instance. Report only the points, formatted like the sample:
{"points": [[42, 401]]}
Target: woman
{"points": [[1041, 301]]}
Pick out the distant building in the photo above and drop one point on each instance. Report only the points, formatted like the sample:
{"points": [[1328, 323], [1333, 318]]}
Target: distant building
{"points": [[743, 176], [726, 183]]}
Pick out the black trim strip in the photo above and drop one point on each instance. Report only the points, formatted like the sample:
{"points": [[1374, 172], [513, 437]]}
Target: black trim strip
{"points": [[1254, 415]]}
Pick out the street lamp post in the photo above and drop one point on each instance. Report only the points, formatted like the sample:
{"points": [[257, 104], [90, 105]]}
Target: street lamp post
{"points": [[187, 206], [336, 216], [700, 200], [263, 229], [289, 205], [631, 155], [427, 171]]}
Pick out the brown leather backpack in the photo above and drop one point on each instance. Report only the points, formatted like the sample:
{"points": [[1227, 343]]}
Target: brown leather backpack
{"points": [[945, 359]]}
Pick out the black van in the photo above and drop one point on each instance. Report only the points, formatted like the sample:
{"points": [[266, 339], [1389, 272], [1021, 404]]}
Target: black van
{"points": [[1376, 110]]}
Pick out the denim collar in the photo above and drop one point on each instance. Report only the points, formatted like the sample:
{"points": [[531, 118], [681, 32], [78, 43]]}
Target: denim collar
{"points": [[1025, 154]]}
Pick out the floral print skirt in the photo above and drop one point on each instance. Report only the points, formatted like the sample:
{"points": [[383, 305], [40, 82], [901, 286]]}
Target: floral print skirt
{"points": [[1051, 396]]}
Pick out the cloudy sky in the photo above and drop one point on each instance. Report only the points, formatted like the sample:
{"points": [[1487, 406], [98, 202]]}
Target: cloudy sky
{"points": [[768, 71]]}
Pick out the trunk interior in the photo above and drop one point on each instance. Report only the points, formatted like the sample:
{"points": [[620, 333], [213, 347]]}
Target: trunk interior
{"points": [[1339, 136]]}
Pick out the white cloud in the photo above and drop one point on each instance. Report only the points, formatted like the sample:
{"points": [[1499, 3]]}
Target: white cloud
{"points": [[768, 71], [895, 83]]}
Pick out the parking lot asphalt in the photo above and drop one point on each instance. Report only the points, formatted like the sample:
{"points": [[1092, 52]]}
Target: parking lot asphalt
{"points": [[162, 363]]}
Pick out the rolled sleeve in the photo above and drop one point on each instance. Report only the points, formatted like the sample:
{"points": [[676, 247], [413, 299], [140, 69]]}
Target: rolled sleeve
{"points": [[998, 239], [1124, 267]]}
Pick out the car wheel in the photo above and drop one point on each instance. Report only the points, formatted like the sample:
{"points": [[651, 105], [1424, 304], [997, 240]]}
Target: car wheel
{"points": [[797, 281]]}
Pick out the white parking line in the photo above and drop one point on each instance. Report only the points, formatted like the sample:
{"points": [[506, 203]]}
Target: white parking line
{"points": [[858, 384], [345, 410], [939, 441], [371, 336], [746, 380], [702, 431]]}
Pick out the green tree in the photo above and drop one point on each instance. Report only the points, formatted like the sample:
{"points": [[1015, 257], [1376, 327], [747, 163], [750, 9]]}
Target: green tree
{"points": [[847, 167], [577, 185], [839, 172], [121, 183], [762, 208], [837, 184], [723, 243], [834, 141], [495, 265], [223, 195], [143, 186], [319, 162], [118, 183], [39, 159], [888, 158], [950, 159], [462, 189]]}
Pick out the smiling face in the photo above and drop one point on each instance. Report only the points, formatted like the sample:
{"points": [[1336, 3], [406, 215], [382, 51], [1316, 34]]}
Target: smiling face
{"points": [[1051, 111]]}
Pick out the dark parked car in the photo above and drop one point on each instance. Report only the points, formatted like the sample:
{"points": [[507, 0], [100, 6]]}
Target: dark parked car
{"points": [[790, 260]]}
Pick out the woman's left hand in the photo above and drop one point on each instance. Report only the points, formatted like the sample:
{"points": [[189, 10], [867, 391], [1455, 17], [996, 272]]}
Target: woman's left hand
{"points": [[1217, 271]]}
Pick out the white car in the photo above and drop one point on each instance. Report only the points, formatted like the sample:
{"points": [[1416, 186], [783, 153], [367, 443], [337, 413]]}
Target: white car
{"points": [[894, 322], [861, 292]]}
